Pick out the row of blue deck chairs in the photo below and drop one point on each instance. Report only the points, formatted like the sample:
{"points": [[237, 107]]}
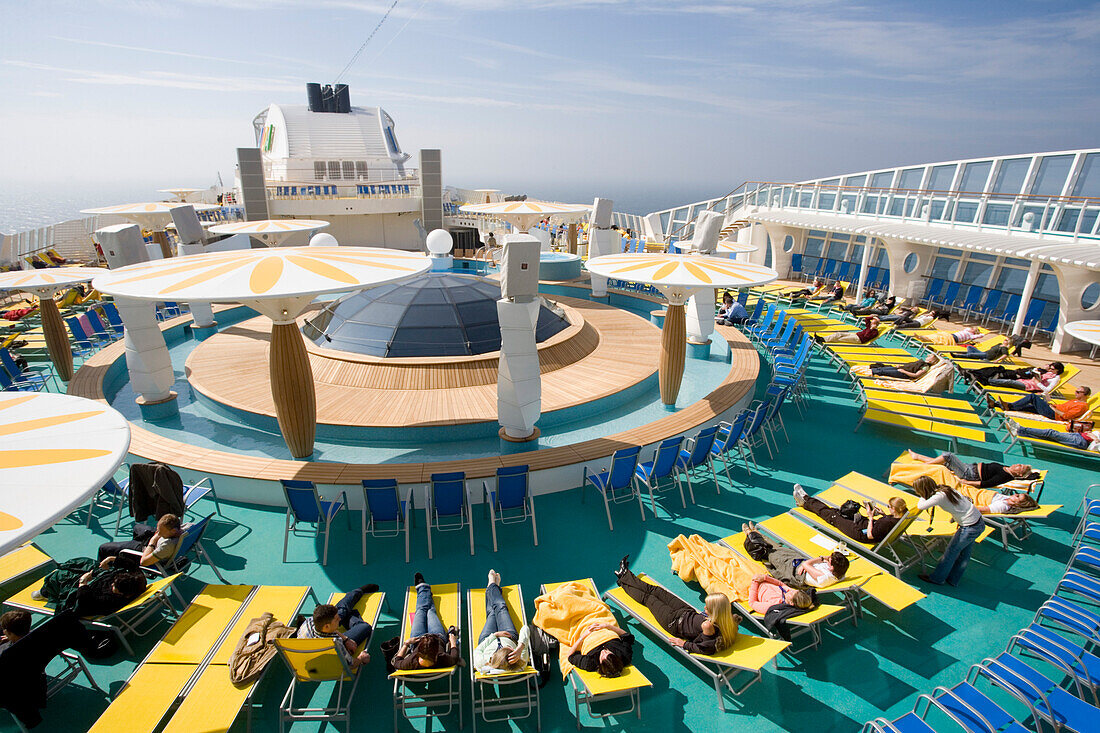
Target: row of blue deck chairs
{"points": [[989, 305], [1049, 673], [809, 267]]}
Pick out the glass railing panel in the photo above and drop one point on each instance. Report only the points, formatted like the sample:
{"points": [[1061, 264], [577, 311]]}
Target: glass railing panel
{"points": [[966, 211], [997, 214], [1088, 225], [848, 203], [936, 212], [826, 201]]}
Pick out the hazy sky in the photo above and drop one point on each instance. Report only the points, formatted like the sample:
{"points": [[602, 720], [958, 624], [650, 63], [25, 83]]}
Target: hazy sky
{"points": [[555, 97]]}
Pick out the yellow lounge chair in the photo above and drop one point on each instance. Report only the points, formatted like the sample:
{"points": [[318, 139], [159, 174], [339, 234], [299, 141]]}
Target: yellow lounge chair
{"points": [[864, 577], [317, 661], [747, 655], [22, 562], [924, 425], [590, 688], [213, 702], [497, 697], [130, 619], [413, 689]]}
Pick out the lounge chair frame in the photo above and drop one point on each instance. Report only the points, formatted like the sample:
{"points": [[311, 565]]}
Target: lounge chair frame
{"points": [[340, 710], [411, 689], [516, 693]]}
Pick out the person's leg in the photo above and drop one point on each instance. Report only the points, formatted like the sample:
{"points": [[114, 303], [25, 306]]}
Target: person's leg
{"points": [[111, 549], [891, 372], [345, 608], [358, 630], [664, 605], [1042, 407], [835, 518], [757, 547], [1073, 440], [973, 352], [497, 617], [962, 469], [425, 606], [947, 562], [969, 536], [1006, 383]]}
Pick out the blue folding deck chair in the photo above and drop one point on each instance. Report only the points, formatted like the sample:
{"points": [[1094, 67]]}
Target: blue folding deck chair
{"points": [[113, 318], [190, 541], [18, 374], [617, 483], [447, 500], [82, 345], [1044, 698], [383, 506], [98, 329], [304, 505], [7, 384], [663, 466], [727, 440], [697, 454], [510, 501]]}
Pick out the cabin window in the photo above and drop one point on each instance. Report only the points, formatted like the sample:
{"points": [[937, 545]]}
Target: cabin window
{"points": [[361, 170], [334, 170], [349, 169], [319, 170]]}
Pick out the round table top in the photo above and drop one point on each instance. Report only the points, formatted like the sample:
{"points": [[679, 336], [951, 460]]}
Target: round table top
{"points": [[726, 245], [525, 208], [269, 226], [262, 274], [50, 278], [1088, 331], [681, 270], [57, 452], [147, 208]]}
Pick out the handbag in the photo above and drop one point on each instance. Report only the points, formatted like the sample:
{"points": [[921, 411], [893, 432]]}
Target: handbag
{"points": [[849, 509]]}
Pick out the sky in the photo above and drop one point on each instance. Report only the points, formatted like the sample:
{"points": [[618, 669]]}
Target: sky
{"points": [[650, 102]]}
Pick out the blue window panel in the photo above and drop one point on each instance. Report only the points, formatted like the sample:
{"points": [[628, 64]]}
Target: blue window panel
{"points": [[848, 203], [975, 175], [856, 181], [937, 208], [977, 273], [966, 211], [882, 180], [997, 214], [837, 250], [1046, 286], [882, 259], [1037, 217], [826, 201], [941, 178], [768, 257], [857, 253], [944, 268], [814, 246], [1052, 174], [841, 236], [911, 178], [1067, 222], [1088, 180], [1011, 280], [1010, 178], [817, 233], [805, 198], [1089, 223], [831, 182], [873, 204]]}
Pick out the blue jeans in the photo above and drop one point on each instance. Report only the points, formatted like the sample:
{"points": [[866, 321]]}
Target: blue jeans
{"points": [[1073, 440], [1033, 403], [426, 620], [1006, 383], [359, 630], [973, 352], [497, 617], [957, 555]]}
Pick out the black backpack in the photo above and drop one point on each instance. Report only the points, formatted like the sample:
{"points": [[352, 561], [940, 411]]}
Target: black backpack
{"points": [[849, 509], [543, 648]]}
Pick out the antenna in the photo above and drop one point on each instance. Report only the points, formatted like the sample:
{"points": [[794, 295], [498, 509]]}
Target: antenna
{"points": [[364, 46]]}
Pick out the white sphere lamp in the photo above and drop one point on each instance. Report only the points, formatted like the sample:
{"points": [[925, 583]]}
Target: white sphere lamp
{"points": [[323, 239], [440, 242]]}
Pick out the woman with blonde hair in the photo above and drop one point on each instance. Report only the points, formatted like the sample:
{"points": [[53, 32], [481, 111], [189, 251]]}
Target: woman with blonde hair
{"points": [[708, 632]]}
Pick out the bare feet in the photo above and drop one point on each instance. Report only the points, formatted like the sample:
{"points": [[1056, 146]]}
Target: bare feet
{"points": [[494, 577]]}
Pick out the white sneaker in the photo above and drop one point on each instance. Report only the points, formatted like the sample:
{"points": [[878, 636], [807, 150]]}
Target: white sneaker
{"points": [[37, 595], [799, 494], [1012, 427]]}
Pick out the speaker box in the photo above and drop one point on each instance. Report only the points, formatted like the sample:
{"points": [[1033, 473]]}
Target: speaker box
{"points": [[187, 224], [519, 270], [122, 245], [601, 213]]}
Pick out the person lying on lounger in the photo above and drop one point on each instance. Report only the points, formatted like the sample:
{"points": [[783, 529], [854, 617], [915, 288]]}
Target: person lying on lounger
{"points": [[880, 307], [425, 647], [869, 333], [1039, 405], [1030, 379], [327, 619], [870, 527], [1015, 345], [589, 637], [910, 370], [819, 285], [88, 588], [832, 295], [791, 566], [907, 318], [767, 592], [1073, 437], [500, 648], [980, 475], [700, 633], [869, 301]]}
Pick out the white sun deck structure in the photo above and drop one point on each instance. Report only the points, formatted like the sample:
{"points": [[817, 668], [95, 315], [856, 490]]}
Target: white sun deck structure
{"points": [[1019, 234]]}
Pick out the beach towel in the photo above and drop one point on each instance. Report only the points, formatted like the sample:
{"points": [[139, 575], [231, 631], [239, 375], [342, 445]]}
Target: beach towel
{"points": [[718, 569], [566, 612]]}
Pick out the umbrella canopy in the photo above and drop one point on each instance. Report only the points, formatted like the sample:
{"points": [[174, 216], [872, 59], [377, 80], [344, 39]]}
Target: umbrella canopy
{"points": [[57, 452], [261, 274], [1088, 331], [270, 231], [524, 214], [152, 214], [731, 247], [48, 280], [677, 276], [181, 192]]}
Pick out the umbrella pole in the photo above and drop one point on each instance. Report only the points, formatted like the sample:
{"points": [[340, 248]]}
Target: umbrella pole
{"points": [[673, 346], [57, 341], [292, 388]]}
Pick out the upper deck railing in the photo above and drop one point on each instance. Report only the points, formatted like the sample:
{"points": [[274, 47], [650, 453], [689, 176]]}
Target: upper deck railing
{"points": [[1069, 217]]}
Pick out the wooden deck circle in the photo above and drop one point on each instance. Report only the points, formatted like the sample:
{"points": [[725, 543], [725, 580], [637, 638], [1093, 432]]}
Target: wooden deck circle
{"points": [[582, 364], [735, 389]]}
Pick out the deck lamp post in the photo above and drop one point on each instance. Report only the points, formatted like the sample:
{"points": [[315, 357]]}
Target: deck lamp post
{"points": [[45, 284], [278, 282], [678, 277]]}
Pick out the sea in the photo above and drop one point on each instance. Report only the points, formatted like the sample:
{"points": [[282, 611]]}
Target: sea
{"points": [[32, 206]]}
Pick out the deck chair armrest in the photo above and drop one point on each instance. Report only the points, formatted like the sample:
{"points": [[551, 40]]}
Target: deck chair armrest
{"points": [[204, 480]]}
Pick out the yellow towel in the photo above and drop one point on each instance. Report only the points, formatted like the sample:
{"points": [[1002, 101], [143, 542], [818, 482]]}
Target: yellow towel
{"points": [[943, 338], [718, 569], [906, 472], [566, 612]]}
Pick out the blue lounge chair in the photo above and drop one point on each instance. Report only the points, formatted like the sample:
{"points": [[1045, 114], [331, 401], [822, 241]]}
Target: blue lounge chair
{"points": [[697, 455], [82, 345], [304, 505], [1044, 643], [190, 541], [98, 329], [1043, 697], [7, 384], [510, 502], [113, 317], [449, 506], [617, 483], [18, 374], [727, 440], [382, 507], [663, 466]]}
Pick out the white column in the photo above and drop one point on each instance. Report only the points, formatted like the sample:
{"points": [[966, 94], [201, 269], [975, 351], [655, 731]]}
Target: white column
{"points": [[781, 260], [201, 313], [699, 316], [908, 285], [147, 357], [867, 247], [602, 242], [1025, 297], [519, 383], [1072, 281]]}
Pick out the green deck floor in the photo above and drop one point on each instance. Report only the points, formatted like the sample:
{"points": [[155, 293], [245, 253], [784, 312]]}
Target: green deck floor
{"points": [[859, 672]]}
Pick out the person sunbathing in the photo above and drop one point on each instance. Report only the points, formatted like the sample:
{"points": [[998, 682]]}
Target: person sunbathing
{"points": [[834, 294], [600, 646], [88, 588], [327, 619], [500, 648], [869, 333], [425, 647], [910, 370], [819, 285], [880, 307], [980, 475], [1082, 436], [869, 301], [1015, 345], [699, 633], [1030, 379], [791, 566], [1040, 405], [870, 527], [909, 318], [989, 501], [767, 592]]}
